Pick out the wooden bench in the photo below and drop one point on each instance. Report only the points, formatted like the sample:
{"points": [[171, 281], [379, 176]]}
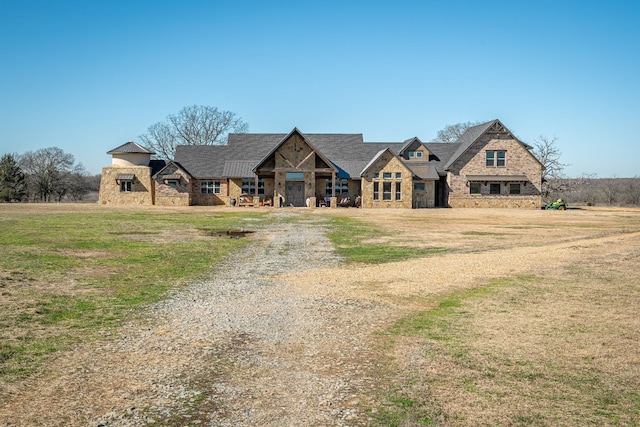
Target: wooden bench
{"points": [[246, 200]]}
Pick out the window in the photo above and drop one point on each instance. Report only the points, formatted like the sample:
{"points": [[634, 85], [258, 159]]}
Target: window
{"points": [[494, 188], [386, 191], [392, 183], [514, 188], [376, 175], [475, 188], [342, 186], [210, 187], [416, 154], [418, 186], [491, 157], [249, 186], [295, 176], [172, 184], [125, 186]]}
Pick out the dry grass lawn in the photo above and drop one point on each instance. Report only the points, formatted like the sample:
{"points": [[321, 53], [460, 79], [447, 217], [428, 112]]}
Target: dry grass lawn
{"points": [[531, 318], [528, 318]]}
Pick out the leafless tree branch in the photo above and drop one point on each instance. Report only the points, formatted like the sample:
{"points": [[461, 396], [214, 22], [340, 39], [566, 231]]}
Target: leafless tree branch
{"points": [[193, 125]]}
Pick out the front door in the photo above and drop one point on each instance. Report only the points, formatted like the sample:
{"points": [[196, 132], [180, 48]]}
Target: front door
{"points": [[294, 193]]}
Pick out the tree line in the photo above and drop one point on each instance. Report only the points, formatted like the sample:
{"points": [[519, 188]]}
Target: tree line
{"points": [[50, 174], [44, 175], [592, 191]]}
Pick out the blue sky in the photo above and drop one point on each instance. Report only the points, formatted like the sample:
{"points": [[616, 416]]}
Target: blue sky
{"points": [[87, 76]]}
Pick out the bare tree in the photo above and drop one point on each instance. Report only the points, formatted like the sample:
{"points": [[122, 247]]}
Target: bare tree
{"points": [[48, 172], [451, 133], [632, 191], [547, 152], [610, 189], [194, 125]]}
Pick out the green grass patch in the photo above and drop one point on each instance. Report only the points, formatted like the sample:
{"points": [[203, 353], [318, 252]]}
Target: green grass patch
{"points": [[402, 411], [350, 238], [443, 326], [65, 276]]}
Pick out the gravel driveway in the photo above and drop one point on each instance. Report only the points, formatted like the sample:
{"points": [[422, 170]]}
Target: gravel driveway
{"points": [[241, 349]]}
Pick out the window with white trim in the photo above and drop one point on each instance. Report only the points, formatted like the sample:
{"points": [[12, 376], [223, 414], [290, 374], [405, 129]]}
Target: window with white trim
{"points": [[391, 186], [496, 158], [125, 186], [210, 187]]}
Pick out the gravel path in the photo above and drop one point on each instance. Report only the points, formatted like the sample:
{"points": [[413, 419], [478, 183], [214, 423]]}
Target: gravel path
{"points": [[242, 349]]}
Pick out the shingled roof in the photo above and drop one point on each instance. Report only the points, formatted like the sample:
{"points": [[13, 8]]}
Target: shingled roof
{"points": [[348, 153], [465, 141], [130, 147], [472, 134]]}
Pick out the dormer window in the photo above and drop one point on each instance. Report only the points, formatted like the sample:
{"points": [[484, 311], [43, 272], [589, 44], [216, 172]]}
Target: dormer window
{"points": [[415, 154]]}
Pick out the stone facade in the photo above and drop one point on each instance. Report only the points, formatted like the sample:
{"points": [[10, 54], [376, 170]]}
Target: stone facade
{"points": [[142, 186], [219, 197], [486, 167], [175, 190], [520, 168], [294, 156], [396, 172]]}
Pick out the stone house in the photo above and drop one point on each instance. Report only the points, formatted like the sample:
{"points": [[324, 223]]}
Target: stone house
{"points": [[486, 167]]}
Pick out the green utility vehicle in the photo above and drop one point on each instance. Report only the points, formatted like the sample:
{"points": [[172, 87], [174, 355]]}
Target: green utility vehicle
{"points": [[558, 205]]}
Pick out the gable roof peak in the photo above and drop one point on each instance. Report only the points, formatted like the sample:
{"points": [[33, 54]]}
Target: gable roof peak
{"points": [[130, 147], [282, 141], [472, 134], [408, 143], [374, 159]]}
